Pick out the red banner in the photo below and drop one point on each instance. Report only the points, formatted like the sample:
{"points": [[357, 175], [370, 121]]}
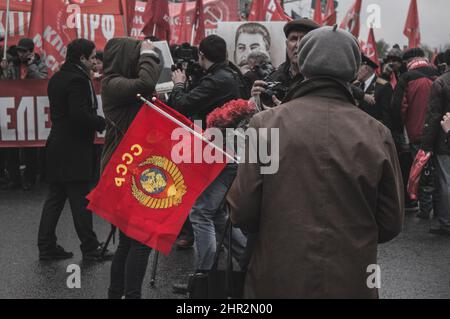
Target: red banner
{"points": [[25, 113], [19, 20], [51, 32], [215, 11], [95, 20], [16, 5]]}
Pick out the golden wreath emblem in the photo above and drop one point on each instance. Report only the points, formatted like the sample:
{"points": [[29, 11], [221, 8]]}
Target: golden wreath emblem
{"points": [[160, 184]]}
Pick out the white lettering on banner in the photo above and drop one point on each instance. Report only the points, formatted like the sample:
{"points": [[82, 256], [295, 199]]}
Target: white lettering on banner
{"points": [[94, 25], [26, 106], [91, 23], [5, 119], [56, 42], [43, 103], [108, 26], [15, 19], [73, 17]]}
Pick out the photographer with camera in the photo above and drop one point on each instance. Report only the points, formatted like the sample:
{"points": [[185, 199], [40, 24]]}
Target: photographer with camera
{"points": [[219, 86], [259, 66], [22, 63], [288, 73]]}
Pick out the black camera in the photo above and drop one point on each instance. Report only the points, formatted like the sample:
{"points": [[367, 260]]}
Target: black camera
{"points": [[264, 70], [273, 88], [185, 58]]}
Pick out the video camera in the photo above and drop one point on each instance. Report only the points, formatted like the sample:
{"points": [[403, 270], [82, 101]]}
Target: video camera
{"points": [[273, 88], [185, 58]]}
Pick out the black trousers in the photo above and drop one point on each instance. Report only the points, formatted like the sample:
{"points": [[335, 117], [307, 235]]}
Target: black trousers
{"points": [[76, 192], [128, 269]]}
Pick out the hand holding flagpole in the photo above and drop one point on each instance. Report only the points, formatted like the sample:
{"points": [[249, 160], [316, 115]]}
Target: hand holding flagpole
{"points": [[187, 128]]}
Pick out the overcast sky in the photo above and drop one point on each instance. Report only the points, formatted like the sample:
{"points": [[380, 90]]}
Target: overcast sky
{"points": [[434, 17]]}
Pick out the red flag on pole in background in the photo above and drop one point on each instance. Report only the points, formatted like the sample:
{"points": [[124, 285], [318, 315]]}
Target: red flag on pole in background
{"points": [[157, 18], [330, 14], [351, 21], [257, 12], [183, 28], [267, 10], [199, 22], [275, 12], [412, 28], [371, 49], [128, 11], [318, 12], [51, 31], [143, 191]]}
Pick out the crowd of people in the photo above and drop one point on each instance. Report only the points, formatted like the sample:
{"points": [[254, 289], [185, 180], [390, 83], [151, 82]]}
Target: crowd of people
{"points": [[349, 128]]}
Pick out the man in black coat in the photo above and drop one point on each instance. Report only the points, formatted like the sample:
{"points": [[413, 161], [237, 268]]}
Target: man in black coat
{"points": [[376, 92], [70, 152], [219, 85]]}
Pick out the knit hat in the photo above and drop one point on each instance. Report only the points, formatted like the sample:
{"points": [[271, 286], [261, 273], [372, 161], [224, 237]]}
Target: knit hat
{"points": [[413, 53], [329, 51]]}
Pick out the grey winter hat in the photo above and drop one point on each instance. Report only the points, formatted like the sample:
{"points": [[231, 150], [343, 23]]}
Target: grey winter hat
{"points": [[329, 51]]}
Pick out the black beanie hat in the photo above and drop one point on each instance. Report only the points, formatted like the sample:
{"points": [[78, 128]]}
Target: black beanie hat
{"points": [[214, 48], [413, 53]]}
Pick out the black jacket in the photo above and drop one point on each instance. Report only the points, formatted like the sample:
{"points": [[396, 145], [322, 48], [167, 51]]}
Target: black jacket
{"points": [[70, 152], [382, 91], [433, 137], [284, 76], [219, 86]]}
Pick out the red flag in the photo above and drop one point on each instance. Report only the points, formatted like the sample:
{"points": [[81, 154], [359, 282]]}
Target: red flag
{"points": [[128, 11], [19, 20], [412, 29], [257, 12], [351, 22], [330, 14], [15, 5], [275, 12], [318, 12], [51, 31], [199, 22], [157, 18], [183, 27], [267, 10], [371, 49], [142, 190], [417, 167]]}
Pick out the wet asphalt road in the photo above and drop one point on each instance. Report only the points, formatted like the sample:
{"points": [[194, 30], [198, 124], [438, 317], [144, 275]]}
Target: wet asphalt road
{"points": [[414, 265]]}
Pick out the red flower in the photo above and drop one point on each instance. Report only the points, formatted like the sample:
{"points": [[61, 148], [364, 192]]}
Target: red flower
{"points": [[231, 114]]}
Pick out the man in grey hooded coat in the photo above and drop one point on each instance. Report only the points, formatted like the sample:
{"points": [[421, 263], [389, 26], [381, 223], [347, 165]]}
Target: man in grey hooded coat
{"points": [[337, 194]]}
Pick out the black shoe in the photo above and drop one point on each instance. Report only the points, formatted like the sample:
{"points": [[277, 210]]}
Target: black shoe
{"points": [[440, 231], [98, 254], [180, 289], [57, 254]]}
